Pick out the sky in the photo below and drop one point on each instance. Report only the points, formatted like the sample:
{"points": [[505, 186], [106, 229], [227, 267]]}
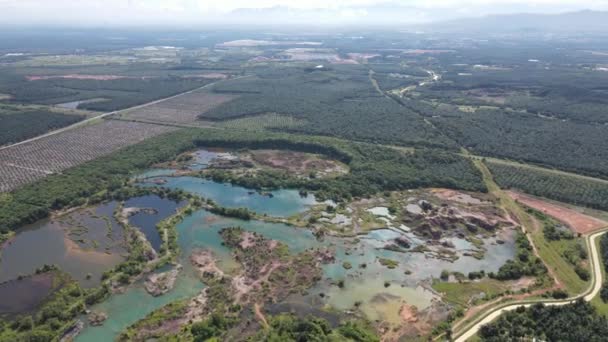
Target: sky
{"points": [[193, 13]]}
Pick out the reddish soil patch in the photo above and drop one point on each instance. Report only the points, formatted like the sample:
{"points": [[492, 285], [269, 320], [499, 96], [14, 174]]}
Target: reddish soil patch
{"points": [[408, 313], [579, 222], [205, 263], [456, 196], [77, 77]]}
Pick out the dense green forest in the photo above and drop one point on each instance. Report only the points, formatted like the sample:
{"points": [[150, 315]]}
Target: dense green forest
{"points": [[574, 322], [341, 103], [17, 125], [373, 169], [563, 91], [552, 185], [118, 93], [289, 328], [578, 147], [509, 108]]}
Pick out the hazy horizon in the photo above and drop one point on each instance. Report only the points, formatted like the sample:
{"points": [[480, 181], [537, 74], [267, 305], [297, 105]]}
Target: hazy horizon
{"points": [[193, 13]]}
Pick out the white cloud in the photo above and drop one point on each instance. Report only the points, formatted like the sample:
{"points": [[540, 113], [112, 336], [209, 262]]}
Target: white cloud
{"points": [[198, 12]]}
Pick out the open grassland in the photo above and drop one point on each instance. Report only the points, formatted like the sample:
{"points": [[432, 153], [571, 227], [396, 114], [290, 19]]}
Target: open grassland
{"points": [[551, 253], [463, 293], [33, 160]]}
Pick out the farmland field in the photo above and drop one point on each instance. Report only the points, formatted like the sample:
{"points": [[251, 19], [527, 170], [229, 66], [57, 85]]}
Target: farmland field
{"points": [[183, 109], [17, 124], [558, 186], [261, 122], [33, 160]]}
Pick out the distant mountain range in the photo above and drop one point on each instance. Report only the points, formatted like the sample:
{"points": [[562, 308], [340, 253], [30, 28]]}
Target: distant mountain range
{"points": [[581, 21], [402, 16]]}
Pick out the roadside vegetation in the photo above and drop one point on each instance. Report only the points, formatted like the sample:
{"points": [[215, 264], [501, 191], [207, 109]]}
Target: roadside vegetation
{"points": [[574, 322], [600, 302], [534, 223]]}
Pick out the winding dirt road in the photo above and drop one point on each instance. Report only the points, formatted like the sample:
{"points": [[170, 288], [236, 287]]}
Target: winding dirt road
{"points": [[588, 295]]}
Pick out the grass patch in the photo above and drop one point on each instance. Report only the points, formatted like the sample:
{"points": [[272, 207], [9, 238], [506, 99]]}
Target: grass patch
{"points": [[548, 251], [597, 302], [391, 264], [462, 293]]}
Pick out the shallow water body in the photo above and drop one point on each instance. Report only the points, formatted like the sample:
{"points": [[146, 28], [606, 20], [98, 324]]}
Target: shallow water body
{"points": [[200, 230], [83, 243]]}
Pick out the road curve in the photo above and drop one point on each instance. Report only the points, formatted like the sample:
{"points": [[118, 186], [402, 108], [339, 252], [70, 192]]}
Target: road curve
{"points": [[588, 295]]}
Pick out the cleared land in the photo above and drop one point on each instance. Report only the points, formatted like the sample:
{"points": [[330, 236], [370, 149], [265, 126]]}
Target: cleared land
{"points": [[183, 109], [25, 163], [580, 223]]}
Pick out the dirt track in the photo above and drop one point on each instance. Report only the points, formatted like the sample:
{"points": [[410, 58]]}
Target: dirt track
{"points": [[579, 222]]}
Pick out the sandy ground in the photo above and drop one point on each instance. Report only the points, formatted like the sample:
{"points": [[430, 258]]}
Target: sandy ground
{"points": [[408, 313], [456, 196], [579, 222], [297, 162], [248, 240], [205, 263], [101, 258], [160, 283]]}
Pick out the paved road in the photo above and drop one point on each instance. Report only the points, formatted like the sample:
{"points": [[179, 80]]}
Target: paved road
{"points": [[588, 295], [101, 116]]}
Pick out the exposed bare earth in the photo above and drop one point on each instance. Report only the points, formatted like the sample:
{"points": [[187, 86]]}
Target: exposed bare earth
{"points": [[160, 283], [298, 162], [183, 109], [205, 263], [579, 222]]}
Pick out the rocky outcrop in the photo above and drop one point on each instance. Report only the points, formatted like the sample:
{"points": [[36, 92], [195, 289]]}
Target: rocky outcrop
{"points": [[97, 318], [158, 284]]}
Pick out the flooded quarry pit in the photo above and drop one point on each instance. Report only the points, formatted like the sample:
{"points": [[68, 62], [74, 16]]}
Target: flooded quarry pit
{"points": [[376, 257]]}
